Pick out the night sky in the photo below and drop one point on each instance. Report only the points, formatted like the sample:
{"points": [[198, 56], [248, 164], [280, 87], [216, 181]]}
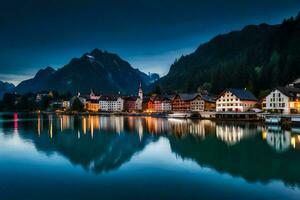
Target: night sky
{"points": [[149, 34]]}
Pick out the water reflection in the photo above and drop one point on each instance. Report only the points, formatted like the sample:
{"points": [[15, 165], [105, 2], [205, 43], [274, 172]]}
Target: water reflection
{"points": [[280, 139], [232, 133], [101, 144]]}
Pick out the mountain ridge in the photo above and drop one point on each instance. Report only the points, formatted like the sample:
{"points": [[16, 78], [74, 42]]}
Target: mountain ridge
{"points": [[98, 70], [258, 57]]}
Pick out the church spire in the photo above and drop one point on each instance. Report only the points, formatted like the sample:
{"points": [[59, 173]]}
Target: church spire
{"points": [[140, 94]]}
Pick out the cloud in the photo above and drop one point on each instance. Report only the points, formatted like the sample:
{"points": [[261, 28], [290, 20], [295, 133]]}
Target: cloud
{"points": [[14, 78]]}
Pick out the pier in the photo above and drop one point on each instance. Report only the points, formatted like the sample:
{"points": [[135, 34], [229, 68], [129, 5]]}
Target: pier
{"points": [[282, 119]]}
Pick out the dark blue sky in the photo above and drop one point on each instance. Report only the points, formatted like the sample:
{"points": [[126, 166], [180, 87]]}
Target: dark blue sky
{"points": [[149, 34]]}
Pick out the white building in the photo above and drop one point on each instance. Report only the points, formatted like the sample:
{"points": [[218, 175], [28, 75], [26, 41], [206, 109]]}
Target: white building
{"points": [[162, 104], [111, 103], [235, 100], [197, 104], [285, 100]]}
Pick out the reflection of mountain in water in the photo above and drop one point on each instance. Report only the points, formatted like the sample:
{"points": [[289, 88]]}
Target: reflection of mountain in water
{"points": [[251, 158], [104, 143], [94, 150]]}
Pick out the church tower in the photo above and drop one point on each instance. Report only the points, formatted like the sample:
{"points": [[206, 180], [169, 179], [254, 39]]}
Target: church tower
{"points": [[140, 94]]}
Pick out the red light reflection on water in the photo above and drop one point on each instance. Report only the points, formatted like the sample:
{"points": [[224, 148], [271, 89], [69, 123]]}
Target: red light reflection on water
{"points": [[15, 120]]}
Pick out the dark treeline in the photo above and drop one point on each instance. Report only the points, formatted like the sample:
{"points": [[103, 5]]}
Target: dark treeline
{"points": [[257, 57], [29, 102]]}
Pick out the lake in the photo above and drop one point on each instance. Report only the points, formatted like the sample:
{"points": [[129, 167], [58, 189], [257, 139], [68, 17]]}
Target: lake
{"points": [[116, 157]]}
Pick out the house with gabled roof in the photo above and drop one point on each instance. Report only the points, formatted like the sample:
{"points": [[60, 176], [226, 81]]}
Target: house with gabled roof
{"points": [[209, 102], [285, 100], [162, 103], [235, 100], [133, 104], [111, 103], [184, 102], [148, 104]]}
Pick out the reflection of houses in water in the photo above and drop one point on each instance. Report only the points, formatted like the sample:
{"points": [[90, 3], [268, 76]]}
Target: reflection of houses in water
{"points": [[277, 138], [118, 124], [187, 126], [281, 140], [233, 133], [156, 125], [198, 128], [295, 141]]}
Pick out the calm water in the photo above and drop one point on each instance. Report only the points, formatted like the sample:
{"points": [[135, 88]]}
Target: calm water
{"points": [[67, 157]]}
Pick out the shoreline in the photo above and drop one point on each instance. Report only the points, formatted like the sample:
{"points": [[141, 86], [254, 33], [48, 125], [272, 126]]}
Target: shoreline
{"points": [[266, 118], [289, 121], [174, 115]]}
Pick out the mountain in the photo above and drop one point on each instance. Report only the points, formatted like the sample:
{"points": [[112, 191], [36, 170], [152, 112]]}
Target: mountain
{"points": [[40, 81], [98, 70], [5, 87], [258, 57]]}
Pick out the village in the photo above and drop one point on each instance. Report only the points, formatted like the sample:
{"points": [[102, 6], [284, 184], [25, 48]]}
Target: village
{"points": [[232, 103]]}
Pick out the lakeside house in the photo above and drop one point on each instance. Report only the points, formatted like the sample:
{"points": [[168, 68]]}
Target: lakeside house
{"points": [[41, 95], [92, 105], [162, 104], [184, 102], [60, 105], [235, 100], [209, 102], [111, 103], [133, 104], [285, 100], [194, 102], [148, 104]]}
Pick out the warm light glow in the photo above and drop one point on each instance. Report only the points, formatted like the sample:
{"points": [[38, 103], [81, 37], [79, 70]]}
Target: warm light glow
{"points": [[293, 142], [39, 125], [51, 127], [264, 134]]}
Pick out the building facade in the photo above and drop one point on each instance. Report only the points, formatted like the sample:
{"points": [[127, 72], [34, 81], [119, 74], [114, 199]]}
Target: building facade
{"points": [[197, 104], [148, 104], [162, 104], [285, 100], [235, 100], [92, 105], [133, 104], [209, 103], [111, 103], [187, 102]]}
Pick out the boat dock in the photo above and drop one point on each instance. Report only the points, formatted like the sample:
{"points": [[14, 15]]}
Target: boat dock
{"points": [[282, 119]]}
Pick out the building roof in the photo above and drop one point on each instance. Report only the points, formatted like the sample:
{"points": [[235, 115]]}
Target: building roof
{"points": [[209, 98], [109, 97], [169, 96], [289, 91], [188, 96], [242, 94], [161, 98], [146, 99]]}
